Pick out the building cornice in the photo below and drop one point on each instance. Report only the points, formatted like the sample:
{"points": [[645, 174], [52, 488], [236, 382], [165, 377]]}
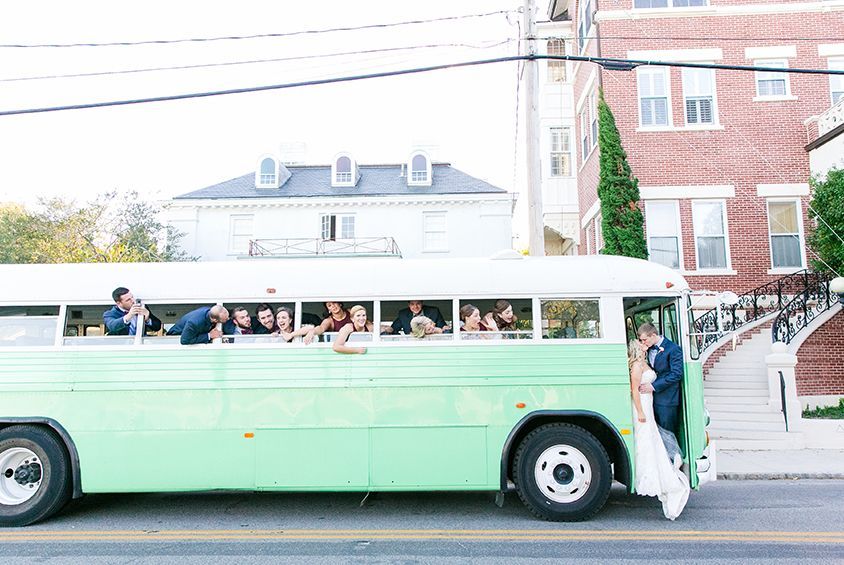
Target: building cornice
{"points": [[721, 10], [311, 202]]}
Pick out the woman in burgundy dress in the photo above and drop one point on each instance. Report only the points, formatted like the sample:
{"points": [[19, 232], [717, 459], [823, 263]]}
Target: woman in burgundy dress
{"points": [[337, 317]]}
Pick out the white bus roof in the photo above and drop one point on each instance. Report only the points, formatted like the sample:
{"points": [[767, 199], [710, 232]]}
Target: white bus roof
{"points": [[343, 279]]}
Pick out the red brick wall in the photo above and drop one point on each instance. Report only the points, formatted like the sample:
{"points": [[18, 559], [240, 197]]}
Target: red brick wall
{"points": [[760, 143], [820, 360]]}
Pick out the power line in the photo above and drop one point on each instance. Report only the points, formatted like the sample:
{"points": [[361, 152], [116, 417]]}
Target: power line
{"points": [[778, 39], [610, 63], [256, 36], [255, 61]]}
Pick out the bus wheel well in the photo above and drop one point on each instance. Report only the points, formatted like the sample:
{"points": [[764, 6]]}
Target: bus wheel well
{"points": [[58, 430], [592, 422]]}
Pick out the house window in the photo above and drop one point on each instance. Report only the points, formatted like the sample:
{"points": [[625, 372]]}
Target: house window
{"points": [[268, 171], [710, 234], [343, 174], [771, 84], [786, 237], [434, 231], [560, 152], [585, 144], [419, 170], [699, 96], [556, 69], [584, 24], [653, 96], [330, 223], [836, 82], [593, 118], [663, 226], [240, 232], [599, 233]]}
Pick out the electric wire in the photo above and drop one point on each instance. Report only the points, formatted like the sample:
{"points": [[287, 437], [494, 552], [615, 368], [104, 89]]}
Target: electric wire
{"points": [[617, 64], [256, 36], [257, 61]]}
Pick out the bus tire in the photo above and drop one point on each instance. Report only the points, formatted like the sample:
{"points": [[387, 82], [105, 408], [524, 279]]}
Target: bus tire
{"points": [[35, 479], [562, 473]]}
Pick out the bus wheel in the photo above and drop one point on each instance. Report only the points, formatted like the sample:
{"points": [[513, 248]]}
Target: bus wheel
{"points": [[34, 475], [562, 473]]}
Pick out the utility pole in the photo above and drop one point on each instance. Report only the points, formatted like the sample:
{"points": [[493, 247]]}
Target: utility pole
{"points": [[536, 241]]}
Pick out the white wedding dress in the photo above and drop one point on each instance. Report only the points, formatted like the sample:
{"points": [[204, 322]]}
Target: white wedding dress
{"points": [[655, 473]]}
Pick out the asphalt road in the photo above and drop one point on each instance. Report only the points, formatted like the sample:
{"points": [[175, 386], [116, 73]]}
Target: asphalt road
{"points": [[727, 522]]}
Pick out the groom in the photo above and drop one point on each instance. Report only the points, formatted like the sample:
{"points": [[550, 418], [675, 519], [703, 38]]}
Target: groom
{"points": [[666, 358]]}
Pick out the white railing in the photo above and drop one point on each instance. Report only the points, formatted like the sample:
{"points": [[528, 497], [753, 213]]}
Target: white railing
{"points": [[831, 119], [318, 246]]}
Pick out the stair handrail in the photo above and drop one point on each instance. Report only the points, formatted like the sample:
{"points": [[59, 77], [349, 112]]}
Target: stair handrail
{"points": [[799, 312], [764, 300], [782, 400]]}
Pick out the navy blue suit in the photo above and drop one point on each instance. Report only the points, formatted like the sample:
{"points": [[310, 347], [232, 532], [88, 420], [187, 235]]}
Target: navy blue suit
{"points": [[402, 321], [194, 327], [668, 366], [113, 320]]}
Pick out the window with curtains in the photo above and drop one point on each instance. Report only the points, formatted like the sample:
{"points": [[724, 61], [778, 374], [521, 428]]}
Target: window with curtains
{"points": [[785, 233], [663, 227], [771, 84], [560, 152], [556, 68], [709, 220], [699, 96]]}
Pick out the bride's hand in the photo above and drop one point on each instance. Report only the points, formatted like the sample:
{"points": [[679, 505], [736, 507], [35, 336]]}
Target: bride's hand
{"points": [[642, 419]]}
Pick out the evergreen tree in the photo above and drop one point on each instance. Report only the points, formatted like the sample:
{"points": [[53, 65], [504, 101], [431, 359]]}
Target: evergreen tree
{"points": [[621, 219], [825, 238]]}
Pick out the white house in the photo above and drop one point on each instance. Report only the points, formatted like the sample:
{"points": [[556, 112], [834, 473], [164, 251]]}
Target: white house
{"points": [[414, 209], [557, 139]]}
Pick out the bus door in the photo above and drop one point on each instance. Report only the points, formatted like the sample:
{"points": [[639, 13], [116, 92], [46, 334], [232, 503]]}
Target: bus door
{"points": [[662, 312]]}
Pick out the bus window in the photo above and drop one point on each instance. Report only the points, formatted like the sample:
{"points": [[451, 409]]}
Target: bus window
{"points": [[669, 322], [397, 314], [660, 312], [256, 326], [315, 312], [28, 325], [570, 319], [515, 310]]}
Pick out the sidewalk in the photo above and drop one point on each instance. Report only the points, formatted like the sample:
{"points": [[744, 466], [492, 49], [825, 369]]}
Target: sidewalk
{"points": [[781, 464]]}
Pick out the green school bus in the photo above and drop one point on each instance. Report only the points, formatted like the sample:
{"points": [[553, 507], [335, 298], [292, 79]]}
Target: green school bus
{"points": [[541, 406]]}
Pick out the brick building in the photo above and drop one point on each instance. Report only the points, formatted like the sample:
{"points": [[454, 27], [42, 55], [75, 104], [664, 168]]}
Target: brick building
{"points": [[720, 155]]}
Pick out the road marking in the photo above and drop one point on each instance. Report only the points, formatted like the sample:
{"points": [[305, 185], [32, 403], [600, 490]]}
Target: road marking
{"points": [[422, 535]]}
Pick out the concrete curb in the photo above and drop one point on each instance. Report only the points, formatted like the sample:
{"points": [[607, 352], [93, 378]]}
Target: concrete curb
{"points": [[777, 476]]}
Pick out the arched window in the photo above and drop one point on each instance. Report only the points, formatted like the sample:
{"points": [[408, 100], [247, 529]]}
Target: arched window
{"points": [[419, 169], [344, 170], [268, 173]]}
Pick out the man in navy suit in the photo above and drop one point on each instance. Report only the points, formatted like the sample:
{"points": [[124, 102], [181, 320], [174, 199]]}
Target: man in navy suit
{"points": [[199, 326], [666, 358], [122, 318]]}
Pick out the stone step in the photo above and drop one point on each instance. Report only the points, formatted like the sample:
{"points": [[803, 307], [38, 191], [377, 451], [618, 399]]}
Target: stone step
{"points": [[735, 392], [741, 365], [732, 433], [727, 428], [721, 415], [712, 401], [745, 377], [757, 384], [743, 407], [797, 442]]}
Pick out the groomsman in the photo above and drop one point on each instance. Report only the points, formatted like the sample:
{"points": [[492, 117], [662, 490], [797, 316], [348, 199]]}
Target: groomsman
{"points": [[199, 326], [666, 359], [122, 318]]}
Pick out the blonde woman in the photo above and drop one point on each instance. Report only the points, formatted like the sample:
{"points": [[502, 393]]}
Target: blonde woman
{"points": [[656, 474], [359, 324], [422, 326]]}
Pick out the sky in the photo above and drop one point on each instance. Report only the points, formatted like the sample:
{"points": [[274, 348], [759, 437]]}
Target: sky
{"points": [[464, 116]]}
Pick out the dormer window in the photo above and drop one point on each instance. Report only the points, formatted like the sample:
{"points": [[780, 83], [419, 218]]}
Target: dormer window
{"points": [[267, 173], [344, 171], [419, 170]]}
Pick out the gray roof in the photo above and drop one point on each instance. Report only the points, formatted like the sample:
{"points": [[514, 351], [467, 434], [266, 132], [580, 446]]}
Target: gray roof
{"points": [[375, 180]]}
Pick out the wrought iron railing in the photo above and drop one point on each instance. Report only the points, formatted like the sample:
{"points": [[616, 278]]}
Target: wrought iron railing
{"points": [[803, 308], [305, 247], [762, 301]]}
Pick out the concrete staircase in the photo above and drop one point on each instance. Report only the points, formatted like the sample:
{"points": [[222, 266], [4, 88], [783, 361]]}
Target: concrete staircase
{"points": [[736, 395]]}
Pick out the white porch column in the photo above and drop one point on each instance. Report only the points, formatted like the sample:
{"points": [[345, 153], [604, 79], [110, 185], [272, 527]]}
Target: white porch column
{"points": [[780, 360]]}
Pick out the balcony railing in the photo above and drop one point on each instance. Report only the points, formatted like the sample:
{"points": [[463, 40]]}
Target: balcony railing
{"points": [[832, 118], [310, 247], [803, 308]]}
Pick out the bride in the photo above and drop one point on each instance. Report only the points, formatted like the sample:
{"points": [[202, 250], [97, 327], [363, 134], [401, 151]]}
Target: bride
{"points": [[656, 474]]}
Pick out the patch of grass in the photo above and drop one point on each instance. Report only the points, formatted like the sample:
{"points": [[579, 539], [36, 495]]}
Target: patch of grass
{"points": [[832, 412]]}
